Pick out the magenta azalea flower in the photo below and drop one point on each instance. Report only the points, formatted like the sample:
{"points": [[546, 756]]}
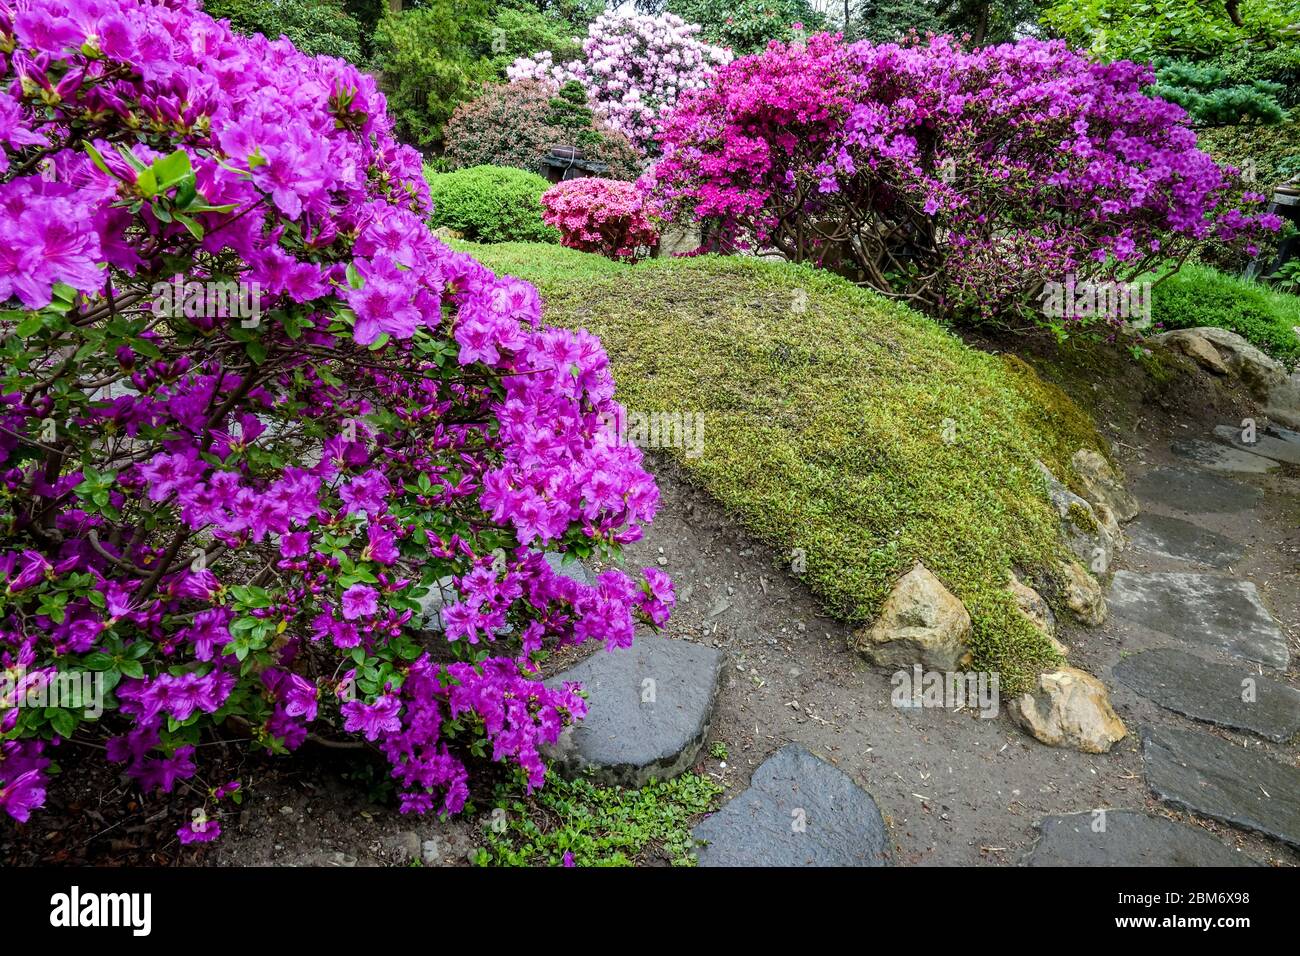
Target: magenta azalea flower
{"points": [[360, 600]]}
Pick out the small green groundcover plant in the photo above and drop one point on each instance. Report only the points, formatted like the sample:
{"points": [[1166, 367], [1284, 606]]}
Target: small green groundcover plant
{"points": [[490, 204], [1199, 296], [577, 823]]}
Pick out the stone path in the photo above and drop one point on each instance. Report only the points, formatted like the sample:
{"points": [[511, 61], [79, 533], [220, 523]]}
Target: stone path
{"points": [[1215, 778], [1215, 611], [798, 811], [650, 709], [1175, 538], [1127, 838], [1268, 446], [1197, 643], [1221, 694], [1194, 491], [1217, 457]]}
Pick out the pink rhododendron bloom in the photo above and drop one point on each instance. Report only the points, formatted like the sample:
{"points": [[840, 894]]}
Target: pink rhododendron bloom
{"points": [[999, 168]]}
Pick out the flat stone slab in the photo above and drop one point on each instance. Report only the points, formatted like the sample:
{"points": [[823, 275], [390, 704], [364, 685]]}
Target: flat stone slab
{"points": [[649, 708], [798, 811], [1223, 781], [1209, 610], [1218, 457], [1128, 838], [1285, 434], [570, 569], [1215, 693], [1182, 540], [1266, 445], [1194, 490]]}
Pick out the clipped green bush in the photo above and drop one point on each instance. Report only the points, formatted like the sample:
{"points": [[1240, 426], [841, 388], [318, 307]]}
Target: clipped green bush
{"points": [[1199, 296], [824, 428], [490, 204]]}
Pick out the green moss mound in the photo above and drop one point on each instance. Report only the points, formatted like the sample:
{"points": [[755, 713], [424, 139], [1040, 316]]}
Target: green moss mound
{"points": [[1198, 296], [490, 204], [839, 424]]}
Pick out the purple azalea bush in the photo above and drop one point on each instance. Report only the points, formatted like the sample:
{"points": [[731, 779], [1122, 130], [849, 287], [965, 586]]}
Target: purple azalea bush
{"points": [[635, 68], [960, 180], [253, 415]]}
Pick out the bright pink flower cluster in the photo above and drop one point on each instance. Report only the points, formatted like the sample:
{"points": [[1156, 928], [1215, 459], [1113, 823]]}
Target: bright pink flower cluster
{"points": [[601, 215], [959, 179], [635, 68], [254, 415]]}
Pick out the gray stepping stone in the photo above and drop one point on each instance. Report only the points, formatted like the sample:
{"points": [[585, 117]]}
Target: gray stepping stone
{"points": [[570, 569], [1211, 692], [1218, 457], [1224, 781], [1128, 838], [443, 591], [1286, 434], [649, 708], [1266, 445], [1182, 540], [1210, 610], [798, 811], [1193, 490]]}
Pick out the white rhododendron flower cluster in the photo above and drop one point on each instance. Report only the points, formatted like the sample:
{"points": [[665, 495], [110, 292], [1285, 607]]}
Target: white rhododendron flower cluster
{"points": [[634, 69]]}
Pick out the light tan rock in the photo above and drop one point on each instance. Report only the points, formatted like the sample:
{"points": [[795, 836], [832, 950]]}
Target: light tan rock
{"points": [[1092, 534], [1035, 607], [1283, 403], [921, 622], [1196, 348], [1109, 525], [1237, 357], [1082, 594], [1069, 708], [677, 239], [1102, 486]]}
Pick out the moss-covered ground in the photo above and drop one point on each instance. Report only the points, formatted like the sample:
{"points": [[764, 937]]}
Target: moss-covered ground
{"points": [[839, 427]]}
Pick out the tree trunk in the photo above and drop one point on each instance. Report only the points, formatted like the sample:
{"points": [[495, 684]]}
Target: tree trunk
{"points": [[981, 26]]}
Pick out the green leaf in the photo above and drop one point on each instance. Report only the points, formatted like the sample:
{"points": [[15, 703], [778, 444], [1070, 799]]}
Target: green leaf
{"points": [[98, 661], [64, 722], [195, 229], [147, 183], [132, 669], [97, 158], [170, 170]]}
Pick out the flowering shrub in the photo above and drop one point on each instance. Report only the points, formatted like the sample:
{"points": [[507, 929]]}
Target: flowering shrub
{"points": [[960, 180], [516, 124], [600, 215], [635, 68], [252, 412]]}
